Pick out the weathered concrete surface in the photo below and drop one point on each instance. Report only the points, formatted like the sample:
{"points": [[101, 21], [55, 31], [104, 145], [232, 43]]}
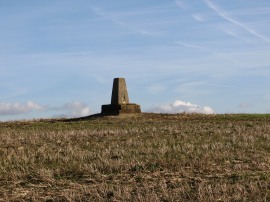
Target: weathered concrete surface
{"points": [[120, 109], [120, 100], [119, 92]]}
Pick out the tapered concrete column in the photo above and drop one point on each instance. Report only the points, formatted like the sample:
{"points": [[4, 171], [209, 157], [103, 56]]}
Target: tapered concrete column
{"points": [[120, 100], [119, 92]]}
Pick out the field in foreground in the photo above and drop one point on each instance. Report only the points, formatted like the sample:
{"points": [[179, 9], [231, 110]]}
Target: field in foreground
{"points": [[147, 157]]}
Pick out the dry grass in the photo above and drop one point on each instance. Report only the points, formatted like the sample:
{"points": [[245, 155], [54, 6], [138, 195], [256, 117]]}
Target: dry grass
{"points": [[146, 157]]}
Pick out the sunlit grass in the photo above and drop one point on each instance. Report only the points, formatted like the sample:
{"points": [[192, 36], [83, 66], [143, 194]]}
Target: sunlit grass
{"points": [[148, 157]]}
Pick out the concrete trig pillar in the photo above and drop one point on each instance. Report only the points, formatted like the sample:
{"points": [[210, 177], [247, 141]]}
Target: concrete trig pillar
{"points": [[119, 92], [120, 100]]}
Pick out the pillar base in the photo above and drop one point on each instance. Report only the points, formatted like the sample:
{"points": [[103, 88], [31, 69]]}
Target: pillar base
{"points": [[114, 109]]}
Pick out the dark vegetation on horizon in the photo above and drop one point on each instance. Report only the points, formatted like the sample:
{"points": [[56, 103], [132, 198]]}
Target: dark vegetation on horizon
{"points": [[144, 157]]}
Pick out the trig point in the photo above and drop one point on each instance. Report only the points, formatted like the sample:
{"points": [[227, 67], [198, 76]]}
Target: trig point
{"points": [[120, 101]]}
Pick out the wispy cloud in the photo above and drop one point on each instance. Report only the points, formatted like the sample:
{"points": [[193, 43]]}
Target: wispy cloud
{"points": [[232, 33], [225, 16], [206, 50], [180, 3], [72, 109], [189, 45], [245, 106], [116, 21], [179, 106], [19, 108], [77, 109], [156, 88], [198, 17]]}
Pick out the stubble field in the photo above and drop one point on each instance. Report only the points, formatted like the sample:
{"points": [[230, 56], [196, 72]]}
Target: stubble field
{"points": [[147, 157]]}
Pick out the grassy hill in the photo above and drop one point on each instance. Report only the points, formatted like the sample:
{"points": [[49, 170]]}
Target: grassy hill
{"points": [[147, 157]]}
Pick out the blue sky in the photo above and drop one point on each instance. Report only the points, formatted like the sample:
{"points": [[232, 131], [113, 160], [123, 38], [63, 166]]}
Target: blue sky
{"points": [[59, 57]]}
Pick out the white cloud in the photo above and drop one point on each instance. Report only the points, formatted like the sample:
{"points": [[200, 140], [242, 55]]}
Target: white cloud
{"points": [[76, 109], [19, 108], [179, 106], [72, 109]]}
